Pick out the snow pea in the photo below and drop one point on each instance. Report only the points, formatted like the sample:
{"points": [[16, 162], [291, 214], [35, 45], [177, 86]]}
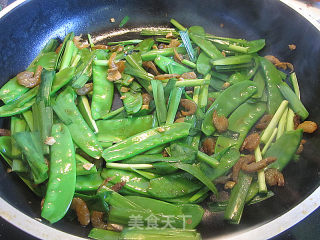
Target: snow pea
{"points": [[206, 46], [19, 105], [173, 185], [47, 61], [284, 149], [62, 78], [102, 93], [167, 52], [227, 102], [203, 64], [12, 90], [272, 79], [82, 135], [132, 100], [85, 110], [163, 63], [146, 140], [241, 121], [260, 83], [6, 146], [87, 183], [62, 175], [30, 145], [116, 130], [145, 45], [81, 167], [16, 125], [84, 70], [134, 182]]}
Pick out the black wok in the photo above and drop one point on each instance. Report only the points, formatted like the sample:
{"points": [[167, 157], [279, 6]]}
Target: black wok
{"points": [[26, 29]]}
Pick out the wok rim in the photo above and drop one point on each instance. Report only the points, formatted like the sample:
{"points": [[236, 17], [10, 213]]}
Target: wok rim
{"points": [[267, 230]]}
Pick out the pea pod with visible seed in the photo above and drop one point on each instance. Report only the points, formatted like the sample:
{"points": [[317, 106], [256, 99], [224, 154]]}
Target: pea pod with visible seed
{"points": [[227, 102], [82, 135], [146, 140], [62, 176], [102, 93]]}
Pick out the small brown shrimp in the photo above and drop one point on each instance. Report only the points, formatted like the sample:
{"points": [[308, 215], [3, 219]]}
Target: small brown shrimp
{"points": [[5, 132], [220, 122], [251, 142], [82, 211], [150, 65], [97, 220], [264, 122], [308, 126], [88, 87], [188, 105], [256, 166], [274, 177], [189, 75], [237, 167], [208, 145], [166, 76]]}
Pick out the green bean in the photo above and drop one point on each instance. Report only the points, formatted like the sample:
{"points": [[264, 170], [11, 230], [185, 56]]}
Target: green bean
{"points": [[62, 176]]}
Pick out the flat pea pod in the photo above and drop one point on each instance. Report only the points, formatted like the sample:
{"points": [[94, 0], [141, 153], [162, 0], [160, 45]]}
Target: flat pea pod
{"points": [[102, 93], [47, 60], [167, 52], [82, 135], [12, 90], [87, 183], [259, 80], [84, 167], [173, 185], [206, 46], [226, 163], [132, 100], [20, 105], [272, 79], [241, 121], [284, 149], [203, 63], [163, 63], [146, 140], [62, 176], [134, 181], [30, 145], [116, 130], [227, 102], [145, 45], [6, 146], [62, 78]]}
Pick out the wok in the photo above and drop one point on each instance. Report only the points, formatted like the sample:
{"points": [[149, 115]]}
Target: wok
{"points": [[26, 28]]}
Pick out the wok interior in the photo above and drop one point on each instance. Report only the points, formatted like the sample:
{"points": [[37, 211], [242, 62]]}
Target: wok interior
{"points": [[26, 29]]}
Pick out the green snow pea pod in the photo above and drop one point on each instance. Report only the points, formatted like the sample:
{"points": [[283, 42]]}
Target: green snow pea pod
{"points": [[12, 90], [228, 159], [233, 60], [83, 166], [146, 140], [116, 130], [82, 135], [132, 100], [134, 181], [284, 149], [47, 61], [19, 105], [173, 185], [61, 79], [50, 46], [62, 176], [84, 70], [30, 145], [227, 102], [102, 92], [6, 146], [163, 63], [197, 35], [167, 52], [145, 45], [272, 79], [87, 183], [203, 64], [241, 121], [260, 83]]}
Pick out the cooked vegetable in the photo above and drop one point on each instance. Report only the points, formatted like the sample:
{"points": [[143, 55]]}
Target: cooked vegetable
{"points": [[136, 130]]}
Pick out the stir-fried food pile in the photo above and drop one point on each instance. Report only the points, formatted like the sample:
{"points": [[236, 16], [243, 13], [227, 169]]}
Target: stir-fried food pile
{"points": [[131, 136]]}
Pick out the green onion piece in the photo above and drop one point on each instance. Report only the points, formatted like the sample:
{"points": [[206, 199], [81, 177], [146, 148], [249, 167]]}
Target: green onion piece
{"points": [[270, 140], [90, 41], [192, 82], [189, 63], [177, 25], [124, 21], [187, 44], [261, 176]]}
